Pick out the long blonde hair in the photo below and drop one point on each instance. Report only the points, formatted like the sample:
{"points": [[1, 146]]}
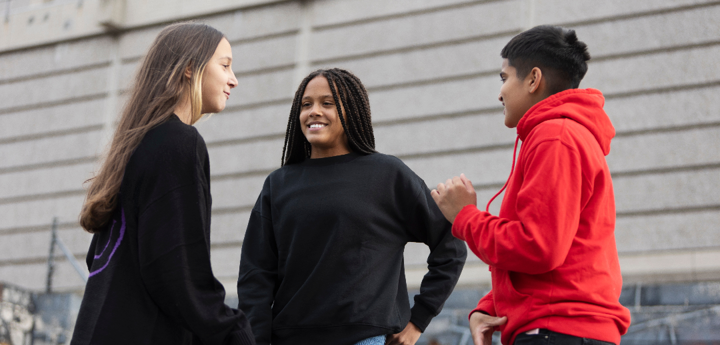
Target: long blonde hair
{"points": [[160, 85]]}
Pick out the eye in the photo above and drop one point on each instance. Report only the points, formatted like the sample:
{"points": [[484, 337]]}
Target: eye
{"points": [[305, 105]]}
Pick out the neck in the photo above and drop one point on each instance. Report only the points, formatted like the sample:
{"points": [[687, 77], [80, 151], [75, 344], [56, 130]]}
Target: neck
{"points": [[318, 152], [184, 111]]}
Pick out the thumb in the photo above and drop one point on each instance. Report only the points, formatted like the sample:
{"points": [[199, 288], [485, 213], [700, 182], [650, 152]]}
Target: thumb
{"points": [[497, 321]]}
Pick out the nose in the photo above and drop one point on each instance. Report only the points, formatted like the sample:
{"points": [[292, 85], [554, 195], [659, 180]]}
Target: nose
{"points": [[500, 98], [233, 81], [315, 110]]}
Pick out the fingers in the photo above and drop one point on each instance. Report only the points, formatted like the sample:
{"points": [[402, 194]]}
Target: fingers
{"points": [[467, 183]]}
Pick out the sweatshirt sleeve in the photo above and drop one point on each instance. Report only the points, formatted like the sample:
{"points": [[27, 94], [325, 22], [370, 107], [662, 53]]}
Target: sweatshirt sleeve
{"points": [[174, 254], [445, 262], [486, 305], [548, 208], [257, 280]]}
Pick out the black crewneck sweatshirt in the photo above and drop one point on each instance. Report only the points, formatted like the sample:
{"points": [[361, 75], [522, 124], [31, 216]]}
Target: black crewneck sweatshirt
{"points": [[322, 259], [150, 276]]}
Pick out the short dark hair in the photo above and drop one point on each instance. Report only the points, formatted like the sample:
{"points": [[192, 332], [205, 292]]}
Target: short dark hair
{"points": [[348, 90], [553, 49]]}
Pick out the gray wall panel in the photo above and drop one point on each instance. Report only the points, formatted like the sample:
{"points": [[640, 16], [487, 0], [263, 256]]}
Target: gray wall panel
{"points": [[442, 134], [53, 88], [670, 231], [58, 57], [229, 227], [35, 245], [40, 212], [654, 71], [477, 56], [52, 119], [420, 29], [246, 157], [696, 106], [677, 190], [448, 97], [236, 192], [574, 11], [50, 149], [665, 150], [246, 123], [326, 12], [46, 181]]}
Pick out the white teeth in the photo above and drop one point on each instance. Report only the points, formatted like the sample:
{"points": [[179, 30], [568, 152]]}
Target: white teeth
{"points": [[317, 125]]}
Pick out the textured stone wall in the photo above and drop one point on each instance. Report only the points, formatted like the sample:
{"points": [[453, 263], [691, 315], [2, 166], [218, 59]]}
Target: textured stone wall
{"points": [[431, 67]]}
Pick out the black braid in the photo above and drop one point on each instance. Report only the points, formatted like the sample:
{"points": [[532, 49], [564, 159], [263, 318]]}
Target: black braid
{"points": [[348, 90]]}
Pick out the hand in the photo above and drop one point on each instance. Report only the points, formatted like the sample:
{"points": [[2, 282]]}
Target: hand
{"points": [[452, 196], [408, 336], [483, 326]]}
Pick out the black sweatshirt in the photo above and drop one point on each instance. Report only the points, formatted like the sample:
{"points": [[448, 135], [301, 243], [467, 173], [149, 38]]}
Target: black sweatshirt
{"points": [[150, 276], [322, 259]]}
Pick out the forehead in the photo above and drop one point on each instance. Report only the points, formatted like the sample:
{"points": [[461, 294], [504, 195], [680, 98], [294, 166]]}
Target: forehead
{"points": [[223, 49], [317, 86]]}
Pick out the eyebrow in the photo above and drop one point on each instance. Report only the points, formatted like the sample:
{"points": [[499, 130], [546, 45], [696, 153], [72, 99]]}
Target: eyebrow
{"points": [[226, 57], [322, 96]]}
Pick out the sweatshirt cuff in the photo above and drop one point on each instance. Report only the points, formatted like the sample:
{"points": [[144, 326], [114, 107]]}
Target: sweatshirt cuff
{"points": [[421, 316], [461, 219]]}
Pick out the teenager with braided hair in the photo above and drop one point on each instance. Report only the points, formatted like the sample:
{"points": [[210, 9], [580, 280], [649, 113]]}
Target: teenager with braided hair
{"points": [[322, 259]]}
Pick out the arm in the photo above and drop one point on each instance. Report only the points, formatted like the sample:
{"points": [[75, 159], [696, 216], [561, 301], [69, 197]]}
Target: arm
{"points": [[175, 266], [257, 280], [548, 207], [445, 262]]}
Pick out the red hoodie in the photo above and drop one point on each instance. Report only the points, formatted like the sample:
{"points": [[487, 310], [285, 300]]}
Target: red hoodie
{"points": [[552, 249]]}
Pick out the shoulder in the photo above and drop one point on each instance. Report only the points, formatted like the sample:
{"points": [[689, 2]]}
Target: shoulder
{"points": [[172, 145]]}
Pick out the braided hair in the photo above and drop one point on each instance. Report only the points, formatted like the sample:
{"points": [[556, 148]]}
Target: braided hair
{"points": [[348, 90]]}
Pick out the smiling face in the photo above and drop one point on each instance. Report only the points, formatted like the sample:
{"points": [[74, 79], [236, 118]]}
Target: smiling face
{"points": [[218, 78], [514, 94], [320, 122]]}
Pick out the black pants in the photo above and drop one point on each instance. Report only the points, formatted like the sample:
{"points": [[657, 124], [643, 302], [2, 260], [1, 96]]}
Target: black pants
{"points": [[554, 338]]}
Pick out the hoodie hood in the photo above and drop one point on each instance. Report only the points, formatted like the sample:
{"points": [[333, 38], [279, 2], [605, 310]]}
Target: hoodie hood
{"points": [[584, 106]]}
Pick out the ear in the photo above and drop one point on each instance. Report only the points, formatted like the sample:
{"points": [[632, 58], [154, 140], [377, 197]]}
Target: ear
{"points": [[188, 72], [535, 80]]}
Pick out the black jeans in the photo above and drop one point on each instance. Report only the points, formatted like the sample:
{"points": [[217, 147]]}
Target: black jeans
{"points": [[554, 338]]}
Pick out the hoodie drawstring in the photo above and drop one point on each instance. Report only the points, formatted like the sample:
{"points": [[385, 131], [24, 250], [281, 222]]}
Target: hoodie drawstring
{"points": [[512, 169]]}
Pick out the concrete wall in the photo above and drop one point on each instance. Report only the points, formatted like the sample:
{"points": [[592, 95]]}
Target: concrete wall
{"points": [[431, 67]]}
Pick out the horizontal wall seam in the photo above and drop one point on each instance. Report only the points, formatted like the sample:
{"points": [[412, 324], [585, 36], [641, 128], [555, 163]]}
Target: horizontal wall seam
{"points": [[435, 80], [406, 14], [38, 228], [55, 73], [41, 260], [474, 149], [41, 196], [665, 170], [664, 89], [52, 164], [230, 210], [669, 129], [265, 70], [237, 175], [663, 211], [51, 134], [41, 105], [230, 142], [417, 47], [635, 15], [653, 51]]}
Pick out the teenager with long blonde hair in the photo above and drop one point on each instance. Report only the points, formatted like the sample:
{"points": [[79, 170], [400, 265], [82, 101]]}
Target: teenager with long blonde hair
{"points": [[149, 206]]}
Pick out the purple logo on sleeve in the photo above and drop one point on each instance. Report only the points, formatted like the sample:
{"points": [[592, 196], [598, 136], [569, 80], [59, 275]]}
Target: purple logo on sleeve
{"points": [[115, 247]]}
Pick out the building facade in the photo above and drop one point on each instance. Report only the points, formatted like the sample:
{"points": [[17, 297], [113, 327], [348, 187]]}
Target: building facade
{"points": [[431, 68]]}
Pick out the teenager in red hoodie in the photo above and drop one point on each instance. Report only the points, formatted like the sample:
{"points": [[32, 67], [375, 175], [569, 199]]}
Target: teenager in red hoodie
{"points": [[551, 250]]}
